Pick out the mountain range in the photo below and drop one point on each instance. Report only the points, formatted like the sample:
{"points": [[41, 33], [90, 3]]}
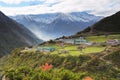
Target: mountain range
{"points": [[54, 25], [14, 35]]}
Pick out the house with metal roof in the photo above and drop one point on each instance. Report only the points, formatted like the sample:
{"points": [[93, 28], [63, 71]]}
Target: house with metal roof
{"points": [[80, 41], [77, 41], [46, 49]]}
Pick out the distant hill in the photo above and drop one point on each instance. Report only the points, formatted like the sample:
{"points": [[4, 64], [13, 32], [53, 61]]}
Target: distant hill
{"points": [[54, 25], [14, 35], [110, 24]]}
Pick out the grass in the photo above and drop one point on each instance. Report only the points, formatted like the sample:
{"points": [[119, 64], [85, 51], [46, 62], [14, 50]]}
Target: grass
{"points": [[93, 49], [117, 36], [73, 51], [51, 45], [102, 38], [97, 38], [71, 48]]}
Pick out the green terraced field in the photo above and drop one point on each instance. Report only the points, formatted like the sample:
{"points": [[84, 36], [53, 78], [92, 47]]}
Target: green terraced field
{"points": [[102, 38], [73, 51]]}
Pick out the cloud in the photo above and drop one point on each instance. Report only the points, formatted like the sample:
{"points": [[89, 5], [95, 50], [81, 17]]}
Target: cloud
{"points": [[14, 1], [17, 1], [97, 7]]}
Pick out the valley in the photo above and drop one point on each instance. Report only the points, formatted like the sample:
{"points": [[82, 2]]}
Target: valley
{"points": [[59, 40], [71, 63]]}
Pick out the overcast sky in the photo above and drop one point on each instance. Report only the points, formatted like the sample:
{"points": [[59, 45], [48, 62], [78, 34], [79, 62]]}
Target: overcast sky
{"points": [[97, 7]]}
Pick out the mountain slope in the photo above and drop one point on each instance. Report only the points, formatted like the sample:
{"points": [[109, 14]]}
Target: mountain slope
{"points": [[109, 24], [56, 24], [13, 35]]}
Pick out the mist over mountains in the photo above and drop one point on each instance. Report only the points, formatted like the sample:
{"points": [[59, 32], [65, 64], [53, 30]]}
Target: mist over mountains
{"points": [[54, 25]]}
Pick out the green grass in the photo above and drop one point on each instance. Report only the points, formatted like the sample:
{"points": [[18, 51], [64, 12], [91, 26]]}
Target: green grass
{"points": [[87, 50], [71, 48], [117, 36], [73, 51], [102, 38], [93, 49], [51, 45], [96, 38]]}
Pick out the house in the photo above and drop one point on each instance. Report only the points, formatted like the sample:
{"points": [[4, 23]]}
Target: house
{"points": [[113, 42], [46, 49], [80, 41], [69, 41], [28, 48], [77, 41]]}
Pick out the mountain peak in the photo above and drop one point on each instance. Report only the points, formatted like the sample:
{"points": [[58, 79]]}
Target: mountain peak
{"points": [[64, 16]]}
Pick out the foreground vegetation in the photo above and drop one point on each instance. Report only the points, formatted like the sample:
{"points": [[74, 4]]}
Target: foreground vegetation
{"points": [[92, 63], [27, 66]]}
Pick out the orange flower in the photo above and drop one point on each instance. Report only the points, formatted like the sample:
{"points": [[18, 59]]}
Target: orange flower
{"points": [[46, 67], [88, 78]]}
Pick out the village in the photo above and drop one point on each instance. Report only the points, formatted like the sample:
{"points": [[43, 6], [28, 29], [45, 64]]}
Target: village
{"points": [[74, 46]]}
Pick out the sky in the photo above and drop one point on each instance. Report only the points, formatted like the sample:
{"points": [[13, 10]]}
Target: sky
{"points": [[25, 7]]}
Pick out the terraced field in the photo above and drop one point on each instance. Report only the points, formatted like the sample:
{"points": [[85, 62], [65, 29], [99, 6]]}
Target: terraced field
{"points": [[102, 38], [74, 51]]}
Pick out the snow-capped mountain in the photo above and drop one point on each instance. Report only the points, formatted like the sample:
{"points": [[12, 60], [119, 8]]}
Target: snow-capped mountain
{"points": [[53, 25]]}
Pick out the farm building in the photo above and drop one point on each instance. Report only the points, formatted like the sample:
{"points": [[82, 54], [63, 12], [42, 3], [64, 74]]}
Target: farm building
{"points": [[78, 41], [69, 41], [46, 49], [27, 48]]}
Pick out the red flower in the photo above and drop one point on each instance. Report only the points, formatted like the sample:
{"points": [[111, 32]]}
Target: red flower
{"points": [[88, 78], [46, 67]]}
